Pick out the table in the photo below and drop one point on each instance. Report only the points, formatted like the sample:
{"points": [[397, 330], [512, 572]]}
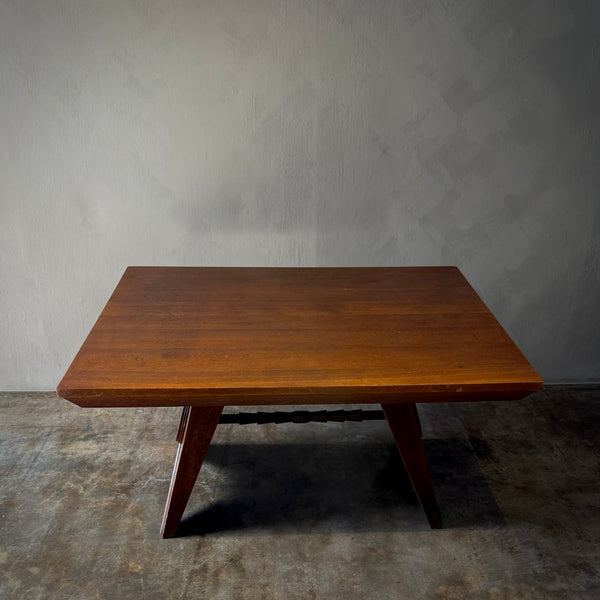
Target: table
{"points": [[209, 337]]}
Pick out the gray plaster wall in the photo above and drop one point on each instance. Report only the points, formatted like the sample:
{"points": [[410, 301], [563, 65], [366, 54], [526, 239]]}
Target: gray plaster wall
{"points": [[306, 132]]}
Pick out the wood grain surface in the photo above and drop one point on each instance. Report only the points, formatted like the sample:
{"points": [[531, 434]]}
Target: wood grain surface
{"points": [[206, 336]]}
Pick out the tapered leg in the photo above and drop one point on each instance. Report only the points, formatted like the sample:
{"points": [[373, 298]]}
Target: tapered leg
{"points": [[198, 424], [403, 422], [185, 413]]}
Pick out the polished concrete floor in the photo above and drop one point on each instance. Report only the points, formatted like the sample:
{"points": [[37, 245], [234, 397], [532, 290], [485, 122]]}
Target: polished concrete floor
{"points": [[304, 511]]}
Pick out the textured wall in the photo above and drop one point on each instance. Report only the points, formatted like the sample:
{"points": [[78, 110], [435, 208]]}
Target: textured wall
{"points": [[299, 133]]}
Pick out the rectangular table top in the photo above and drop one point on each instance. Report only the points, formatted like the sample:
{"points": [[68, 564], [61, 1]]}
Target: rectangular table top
{"points": [[246, 336]]}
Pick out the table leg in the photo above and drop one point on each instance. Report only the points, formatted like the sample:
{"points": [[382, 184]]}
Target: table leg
{"points": [[198, 424], [405, 429], [185, 413]]}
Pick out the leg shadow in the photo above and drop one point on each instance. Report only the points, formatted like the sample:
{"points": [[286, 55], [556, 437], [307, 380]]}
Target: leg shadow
{"points": [[293, 488]]}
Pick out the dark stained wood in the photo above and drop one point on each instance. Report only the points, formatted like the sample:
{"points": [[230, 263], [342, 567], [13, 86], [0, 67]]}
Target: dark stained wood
{"points": [[199, 426], [185, 413], [402, 419], [302, 416], [245, 336]]}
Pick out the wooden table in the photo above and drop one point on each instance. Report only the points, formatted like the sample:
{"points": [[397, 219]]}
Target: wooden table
{"points": [[205, 338]]}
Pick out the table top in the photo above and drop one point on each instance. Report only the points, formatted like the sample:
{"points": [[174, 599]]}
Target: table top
{"points": [[246, 336]]}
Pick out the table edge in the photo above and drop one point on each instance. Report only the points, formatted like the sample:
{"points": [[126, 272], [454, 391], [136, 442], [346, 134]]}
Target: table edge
{"points": [[291, 396]]}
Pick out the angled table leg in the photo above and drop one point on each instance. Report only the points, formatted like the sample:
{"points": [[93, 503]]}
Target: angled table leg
{"points": [[403, 422], [197, 426]]}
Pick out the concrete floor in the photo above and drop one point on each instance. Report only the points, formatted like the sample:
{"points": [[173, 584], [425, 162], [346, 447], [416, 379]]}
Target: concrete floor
{"points": [[302, 511]]}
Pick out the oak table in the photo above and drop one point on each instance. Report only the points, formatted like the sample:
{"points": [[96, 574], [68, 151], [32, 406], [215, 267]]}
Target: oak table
{"points": [[208, 337]]}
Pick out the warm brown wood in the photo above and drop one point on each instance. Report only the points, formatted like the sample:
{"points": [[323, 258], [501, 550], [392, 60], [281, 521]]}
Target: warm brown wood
{"points": [[199, 426], [402, 419], [200, 337], [247, 336]]}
